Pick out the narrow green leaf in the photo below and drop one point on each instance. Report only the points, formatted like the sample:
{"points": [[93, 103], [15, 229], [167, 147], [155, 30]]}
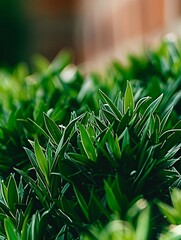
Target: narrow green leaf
{"points": [[34, 226], [116, 149], [111, 199], [41, 160], [59, 152], [96, 206], [140, 103], [102, 149], [99, 123], [32, 158], [111, 105], [145, 167], [171, 213], [109, 116], [12, 193], [43, 224], [165, 119], [82, 203], [123, 123], [34, 163], [128, 99], [87, 143], [4, 192], [176, 200], [38, 110], [79, 158], [10, 230], [52, 128], [143, 220], [26, 218], [118, 102], [50, 154], [167, 134], [126, 139], [149, 110], [156, 132], [39, 128]]}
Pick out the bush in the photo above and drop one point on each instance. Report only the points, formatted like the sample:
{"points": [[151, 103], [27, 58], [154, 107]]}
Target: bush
{"points": [[95, 164]]}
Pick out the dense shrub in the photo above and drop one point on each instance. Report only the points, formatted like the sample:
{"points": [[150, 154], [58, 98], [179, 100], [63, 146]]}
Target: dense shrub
{"points": [[77, 162]]}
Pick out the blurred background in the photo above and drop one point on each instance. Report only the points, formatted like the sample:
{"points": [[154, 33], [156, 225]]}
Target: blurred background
{"points": [[96, 30]]}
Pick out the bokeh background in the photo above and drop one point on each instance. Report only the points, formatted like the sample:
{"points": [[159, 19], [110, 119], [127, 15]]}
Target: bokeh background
{"points": [[96, 30]]}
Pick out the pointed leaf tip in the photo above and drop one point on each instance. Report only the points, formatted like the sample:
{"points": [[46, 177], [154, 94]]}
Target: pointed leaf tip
{"points": [[128, 98]]}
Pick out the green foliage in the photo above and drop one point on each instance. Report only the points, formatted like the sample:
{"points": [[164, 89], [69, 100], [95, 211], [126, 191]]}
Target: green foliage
{"points": [[23, 102], [78, 163], [155, 72], [173, 214], [98, 170], [118, 229]]}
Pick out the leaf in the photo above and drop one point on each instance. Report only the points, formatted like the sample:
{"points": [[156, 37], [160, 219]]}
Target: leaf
{"points": [[79, 158], [111, 199], [43, 223], [87, 143], [38, 111], [62, 59], [149, 110], [128, 99], [34, 227], [123, 123], [115, 148], [12, 193], [99, 123], [167, 134], [4, 192], [170, 139], [109, 116], [143, 220], [171, 213], [32, 158], [26, 218], [126, 139], [39, 128], [176, 200], [165, 119], [140, 103], [111, 105], [52, 128], [82, 202], [41, 160], [96, 206], [10, 230]]}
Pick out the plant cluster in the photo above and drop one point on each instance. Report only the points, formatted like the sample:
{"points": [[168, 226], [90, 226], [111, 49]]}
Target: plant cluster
{"points": [[94, 157]]}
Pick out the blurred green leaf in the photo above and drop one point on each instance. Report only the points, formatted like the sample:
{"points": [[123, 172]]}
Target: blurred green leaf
{"points": [[10, 229]]}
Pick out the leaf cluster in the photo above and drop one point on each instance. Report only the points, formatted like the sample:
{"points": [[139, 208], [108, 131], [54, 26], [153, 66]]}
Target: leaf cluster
{"points": [[81, 163]]}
